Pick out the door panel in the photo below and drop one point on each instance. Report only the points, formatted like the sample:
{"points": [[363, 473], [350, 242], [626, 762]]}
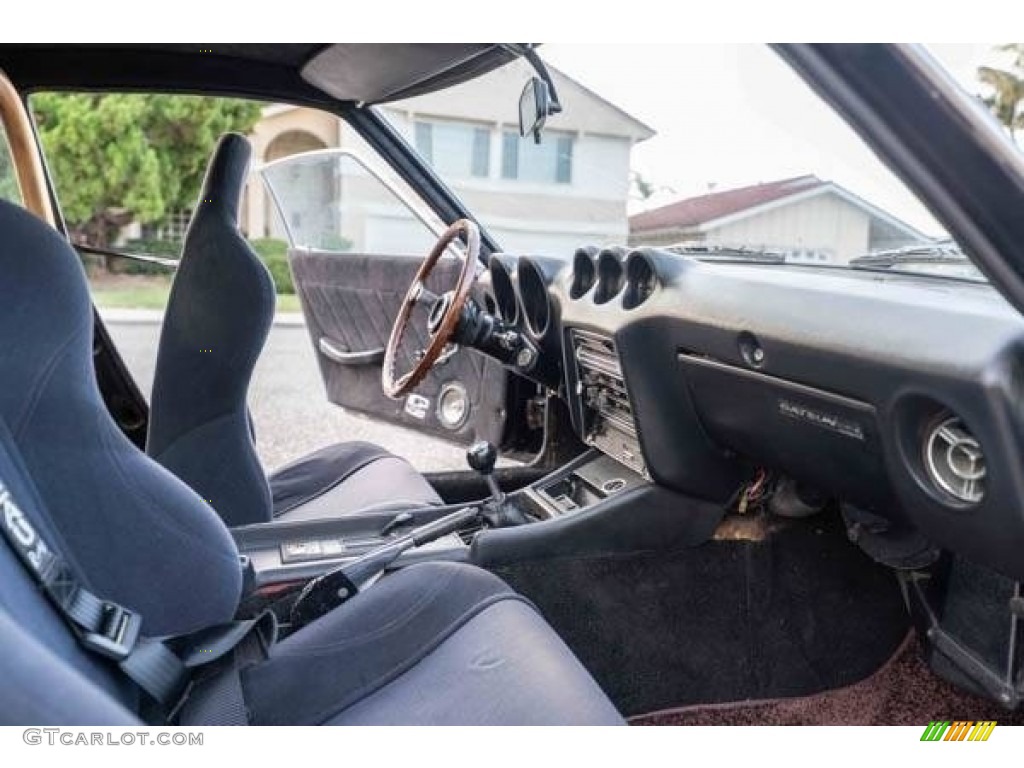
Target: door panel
{"points": [[350, 301], [356, 241]]}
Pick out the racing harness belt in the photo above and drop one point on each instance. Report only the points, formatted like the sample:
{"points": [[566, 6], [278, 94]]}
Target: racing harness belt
{"points": [[162, 667]]}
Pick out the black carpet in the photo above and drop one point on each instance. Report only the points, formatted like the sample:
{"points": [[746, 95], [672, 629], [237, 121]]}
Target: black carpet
{"points": [[800, 612]]}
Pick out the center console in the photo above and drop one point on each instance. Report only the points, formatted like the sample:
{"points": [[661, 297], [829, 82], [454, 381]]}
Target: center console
{"points": [[602, 501], [589, 480], [602, 414]]}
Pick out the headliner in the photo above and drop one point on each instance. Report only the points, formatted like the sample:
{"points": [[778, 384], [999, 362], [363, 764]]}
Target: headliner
{"points": [[314, 73]]}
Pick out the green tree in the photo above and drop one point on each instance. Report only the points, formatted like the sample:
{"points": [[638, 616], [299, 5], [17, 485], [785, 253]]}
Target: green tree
{"points": [[642, 188], [1006, 89], [116, 158], [8, 181]]}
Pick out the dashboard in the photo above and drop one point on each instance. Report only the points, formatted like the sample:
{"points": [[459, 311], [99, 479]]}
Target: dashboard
{"points": [[899, 394]]}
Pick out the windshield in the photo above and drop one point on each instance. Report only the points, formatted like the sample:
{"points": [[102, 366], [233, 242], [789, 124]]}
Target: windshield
{"points": [[711, 150]]}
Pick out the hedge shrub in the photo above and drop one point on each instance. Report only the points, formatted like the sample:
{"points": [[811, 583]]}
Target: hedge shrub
{"points": [[275, 255], [273, 252], [167, 249]]}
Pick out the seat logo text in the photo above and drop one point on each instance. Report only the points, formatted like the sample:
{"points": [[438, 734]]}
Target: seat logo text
{"points": [[21, 530]]}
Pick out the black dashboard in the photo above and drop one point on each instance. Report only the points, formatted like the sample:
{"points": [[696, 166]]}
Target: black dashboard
{"points": [[901, 394]]}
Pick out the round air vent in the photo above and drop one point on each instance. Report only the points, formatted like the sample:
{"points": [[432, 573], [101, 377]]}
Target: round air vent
{"points": [[641, 280], [504, 292], [533, 294], [584, 274], [609, 277], [954, 460]]}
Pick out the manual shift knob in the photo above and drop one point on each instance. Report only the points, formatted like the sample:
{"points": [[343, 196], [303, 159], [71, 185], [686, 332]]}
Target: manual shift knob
{"points": [[482, 457]]}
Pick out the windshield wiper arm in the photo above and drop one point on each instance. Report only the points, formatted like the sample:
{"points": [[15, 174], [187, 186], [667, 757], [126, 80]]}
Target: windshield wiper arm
{"points": [[933, 253]]}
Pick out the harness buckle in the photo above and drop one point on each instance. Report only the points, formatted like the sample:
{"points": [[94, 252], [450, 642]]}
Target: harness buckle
{"points": [[118, 633]]}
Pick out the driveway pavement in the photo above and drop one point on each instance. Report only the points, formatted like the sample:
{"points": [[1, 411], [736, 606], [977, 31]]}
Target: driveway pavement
{"points": [[287, 398]]}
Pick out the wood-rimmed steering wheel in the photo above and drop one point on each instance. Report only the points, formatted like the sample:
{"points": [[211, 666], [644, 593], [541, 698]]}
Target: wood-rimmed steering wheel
{"points": [[444, 314]]}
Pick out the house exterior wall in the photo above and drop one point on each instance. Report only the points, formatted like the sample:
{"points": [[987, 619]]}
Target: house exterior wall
{"points": [[825, 224], [283, 128], [524, 217], [551, 218]]}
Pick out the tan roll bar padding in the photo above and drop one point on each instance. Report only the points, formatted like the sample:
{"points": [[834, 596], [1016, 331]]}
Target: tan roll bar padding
{"points": [[25, 152]]}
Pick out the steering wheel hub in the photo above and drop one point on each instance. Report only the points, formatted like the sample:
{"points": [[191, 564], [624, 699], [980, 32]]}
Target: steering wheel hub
{"points": [[438, 312]]}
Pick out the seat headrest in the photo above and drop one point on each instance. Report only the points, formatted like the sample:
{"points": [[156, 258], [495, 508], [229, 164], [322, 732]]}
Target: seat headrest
{"points": [[226, 175]]}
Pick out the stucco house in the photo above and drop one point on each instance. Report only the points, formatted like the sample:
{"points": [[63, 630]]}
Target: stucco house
{"points": [[806, 218], [570, 189]]}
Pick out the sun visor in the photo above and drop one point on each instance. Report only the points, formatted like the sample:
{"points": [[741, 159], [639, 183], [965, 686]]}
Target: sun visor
{"points": [[381, 72]]}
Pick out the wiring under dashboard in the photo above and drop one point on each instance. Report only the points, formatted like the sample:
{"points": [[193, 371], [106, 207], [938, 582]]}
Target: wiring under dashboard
{"points": [[755, 493]]}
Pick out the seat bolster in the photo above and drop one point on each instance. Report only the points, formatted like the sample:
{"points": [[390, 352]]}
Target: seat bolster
{"points": [[505, 666], [372, 647], [230, 480], [317, 473], [366, 642], [343, 480]]}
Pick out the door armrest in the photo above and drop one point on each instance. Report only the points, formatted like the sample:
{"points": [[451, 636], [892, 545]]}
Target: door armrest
{"points": [[336, 352]]}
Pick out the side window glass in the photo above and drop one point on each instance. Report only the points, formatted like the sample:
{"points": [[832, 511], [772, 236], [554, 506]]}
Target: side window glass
{"points": [[334, 201]]}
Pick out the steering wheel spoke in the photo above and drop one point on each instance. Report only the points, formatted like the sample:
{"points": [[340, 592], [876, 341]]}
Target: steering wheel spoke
{"points": [[427, 296], [449, 351], [420, 294]]}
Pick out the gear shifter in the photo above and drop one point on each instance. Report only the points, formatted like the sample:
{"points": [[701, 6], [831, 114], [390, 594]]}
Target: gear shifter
{"points": [[481, 458]]}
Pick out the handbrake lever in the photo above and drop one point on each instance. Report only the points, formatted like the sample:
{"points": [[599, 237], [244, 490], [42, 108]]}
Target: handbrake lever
{"points": [[331, 589]]}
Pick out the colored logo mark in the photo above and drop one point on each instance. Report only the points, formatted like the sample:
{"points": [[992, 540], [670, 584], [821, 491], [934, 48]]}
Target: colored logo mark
{"points": [[959, 730]]}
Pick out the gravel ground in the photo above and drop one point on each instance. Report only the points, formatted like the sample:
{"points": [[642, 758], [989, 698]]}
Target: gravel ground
{"points": [[287, 399]]}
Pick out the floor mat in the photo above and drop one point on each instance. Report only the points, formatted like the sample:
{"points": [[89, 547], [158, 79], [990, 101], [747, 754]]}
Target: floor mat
{"points": [[903, 692], [800, 612]]}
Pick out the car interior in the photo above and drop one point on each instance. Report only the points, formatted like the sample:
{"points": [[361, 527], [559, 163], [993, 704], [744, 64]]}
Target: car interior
{"points": [[726, 514]]}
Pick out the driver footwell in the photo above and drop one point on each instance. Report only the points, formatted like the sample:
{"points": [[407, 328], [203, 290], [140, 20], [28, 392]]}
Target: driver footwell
{"points": [[797, 612]]}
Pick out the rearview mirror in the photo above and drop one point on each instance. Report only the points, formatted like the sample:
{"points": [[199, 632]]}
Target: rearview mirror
{"points": [[534, 108]]}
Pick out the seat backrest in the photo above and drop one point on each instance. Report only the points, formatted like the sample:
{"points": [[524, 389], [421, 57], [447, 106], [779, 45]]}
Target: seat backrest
{"points": [[134, 533], [218, 316]]}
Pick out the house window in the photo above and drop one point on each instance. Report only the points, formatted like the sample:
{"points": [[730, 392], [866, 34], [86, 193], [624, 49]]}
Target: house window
{"points": [[176, 224], [171, 229], [807, 254], [549, 162], [459, 150]]}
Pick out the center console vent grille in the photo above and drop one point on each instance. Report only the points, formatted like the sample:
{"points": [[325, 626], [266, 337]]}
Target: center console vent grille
{"points": [[608, 414], [597, 353]]}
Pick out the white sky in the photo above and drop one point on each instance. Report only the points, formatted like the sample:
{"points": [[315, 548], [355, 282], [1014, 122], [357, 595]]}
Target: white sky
{"points": [[732, 115]]}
